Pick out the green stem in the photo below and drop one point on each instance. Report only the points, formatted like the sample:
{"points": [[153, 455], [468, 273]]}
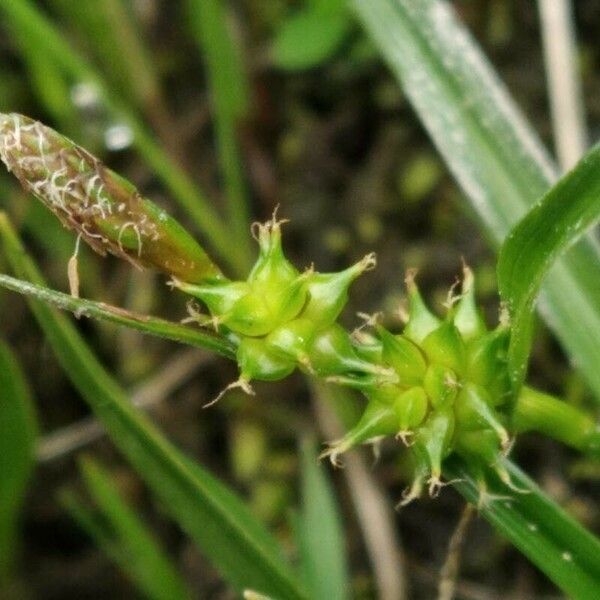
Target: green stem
{"points": [[536, 411]]}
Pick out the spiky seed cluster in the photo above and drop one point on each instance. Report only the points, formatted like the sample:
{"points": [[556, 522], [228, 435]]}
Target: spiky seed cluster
{"points": [[282, 319], [439, 387], [452, 393], [105, 209]]}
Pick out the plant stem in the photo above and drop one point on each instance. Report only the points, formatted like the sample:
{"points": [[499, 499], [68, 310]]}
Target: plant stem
{"points": [[536, 411]]}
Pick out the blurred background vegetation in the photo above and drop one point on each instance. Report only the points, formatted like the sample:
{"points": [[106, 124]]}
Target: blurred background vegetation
{"points": [[259, 104]]}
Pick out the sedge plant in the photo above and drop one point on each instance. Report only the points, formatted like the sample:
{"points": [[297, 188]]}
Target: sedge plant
{"points": [[443, 386], [447, 389]]}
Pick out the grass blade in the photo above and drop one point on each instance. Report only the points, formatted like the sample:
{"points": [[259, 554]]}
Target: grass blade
{"points": [[567, 553], [144, 323], [28, 21], [230, 100], [551, 227], [320, 533], [219, 522], [490, 149], [120, 533], [18, 431], [111, 34], [49, 85]]}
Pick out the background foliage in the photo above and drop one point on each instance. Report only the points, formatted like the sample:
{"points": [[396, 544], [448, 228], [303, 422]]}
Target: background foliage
{"points": [[324, 130]]}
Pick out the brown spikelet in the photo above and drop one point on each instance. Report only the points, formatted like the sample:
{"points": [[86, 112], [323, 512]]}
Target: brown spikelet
{"points": [[105, 209]]}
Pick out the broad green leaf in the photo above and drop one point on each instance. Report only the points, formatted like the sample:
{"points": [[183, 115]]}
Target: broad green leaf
{"points": [[320, 533], [106, 312], [18, 431], [218, 521], [229, 89], [124, 537], [551, 227], [27, 20], [309, 38], [567, 553], [489, 147]]}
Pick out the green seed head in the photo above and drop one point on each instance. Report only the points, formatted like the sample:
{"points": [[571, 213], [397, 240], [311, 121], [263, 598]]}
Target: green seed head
{"points": [[105, 209], [440, 386], [451, 389], [273, 294]]}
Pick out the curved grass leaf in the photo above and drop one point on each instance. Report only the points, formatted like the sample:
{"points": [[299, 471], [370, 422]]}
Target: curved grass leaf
{"points": [[567, 553], [217, 520], [489, 147], [106, 312], [551, 227], [320, 533], [123, 536], [28, 21], [18, 431]]}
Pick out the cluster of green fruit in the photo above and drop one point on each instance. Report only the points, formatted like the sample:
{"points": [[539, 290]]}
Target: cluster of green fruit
{"points": [[440, 387]]}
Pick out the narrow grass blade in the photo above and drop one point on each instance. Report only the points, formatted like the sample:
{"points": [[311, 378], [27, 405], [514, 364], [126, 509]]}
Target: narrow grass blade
{"points": [[124, 537], [106, 312], [552, 226], [217, 520], [18, 431], [230, 100], [27, 20], [489, 147], [50, 86], [567, 553], [320, 533], [111, 34]]}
